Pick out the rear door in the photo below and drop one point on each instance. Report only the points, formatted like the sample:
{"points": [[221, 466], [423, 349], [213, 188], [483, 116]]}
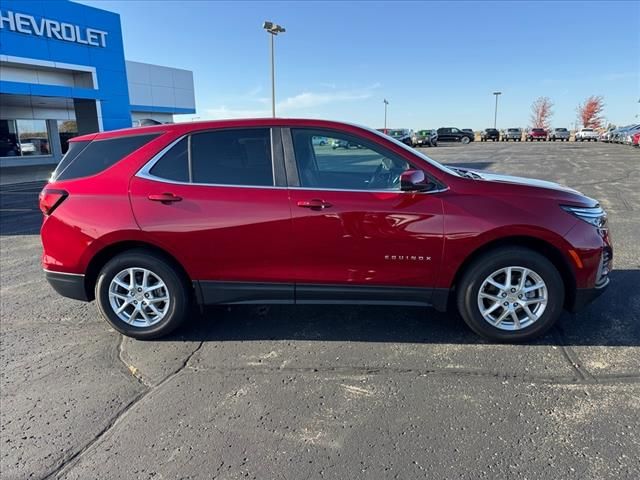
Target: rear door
{"points": [[216, 201]]}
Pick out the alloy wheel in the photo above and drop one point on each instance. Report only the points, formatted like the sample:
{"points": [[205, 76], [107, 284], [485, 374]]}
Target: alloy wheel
{"points": [[512, 298], [139, 297]]}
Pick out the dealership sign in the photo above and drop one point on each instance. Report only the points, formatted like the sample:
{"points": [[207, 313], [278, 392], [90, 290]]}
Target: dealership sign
{"points": [[43, 27]]}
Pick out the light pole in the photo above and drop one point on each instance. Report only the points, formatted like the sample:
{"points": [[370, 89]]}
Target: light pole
{"points": [[495, 115], [273, 29], [385, 115]]}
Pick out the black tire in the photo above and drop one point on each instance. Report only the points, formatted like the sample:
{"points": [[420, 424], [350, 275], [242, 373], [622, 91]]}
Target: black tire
{"points": [[176, 286], [481, 268]]}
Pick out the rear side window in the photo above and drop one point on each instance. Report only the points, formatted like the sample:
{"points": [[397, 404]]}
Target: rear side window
{"points": [[74, 150], [99, 155], [174, 165], [232, 157]]}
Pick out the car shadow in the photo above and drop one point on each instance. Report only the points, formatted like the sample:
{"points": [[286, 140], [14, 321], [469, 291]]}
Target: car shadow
{"points": [[609, 321]]}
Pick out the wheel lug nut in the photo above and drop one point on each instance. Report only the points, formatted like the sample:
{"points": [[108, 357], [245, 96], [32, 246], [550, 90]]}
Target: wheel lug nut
{"points": [[135, 302], [504, 294], [139, 289], [520, 296], [515, 304], [146, 295], [513, 290], [506, 304]]}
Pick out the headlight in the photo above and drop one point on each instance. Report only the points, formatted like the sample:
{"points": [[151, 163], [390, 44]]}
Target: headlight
{"points": [[596, 216]]}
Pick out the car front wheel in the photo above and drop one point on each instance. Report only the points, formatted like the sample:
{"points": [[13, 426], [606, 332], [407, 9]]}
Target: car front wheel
{"points": [[142, 295], [511, 295]]}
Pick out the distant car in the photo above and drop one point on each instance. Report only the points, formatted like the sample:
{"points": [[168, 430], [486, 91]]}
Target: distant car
{"points": [[606, 136], [27, 148], [635, 140], [344, 144], [588, 134], [451, 134], [561, 134], [514, 134], [536, 134], [320, 141], [425, 138], [628, 133], [489, 134], [146, 122], [402, 135]]}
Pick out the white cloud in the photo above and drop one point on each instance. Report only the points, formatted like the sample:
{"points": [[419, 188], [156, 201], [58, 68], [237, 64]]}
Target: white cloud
{"points": [[298, 104]]}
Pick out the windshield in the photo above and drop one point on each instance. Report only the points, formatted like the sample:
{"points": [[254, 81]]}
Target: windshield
{"points": [[396, 133], [561, 129], [416, 153], [424, 132], [587, 129], [514, 130], [538, 130]]}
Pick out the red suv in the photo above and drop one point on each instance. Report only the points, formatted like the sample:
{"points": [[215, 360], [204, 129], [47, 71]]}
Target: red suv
{"points": [[536, 134], [148, 220]]}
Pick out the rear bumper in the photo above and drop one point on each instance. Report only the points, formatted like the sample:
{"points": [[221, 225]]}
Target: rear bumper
{"points": [[68, 285], [584, 296]]}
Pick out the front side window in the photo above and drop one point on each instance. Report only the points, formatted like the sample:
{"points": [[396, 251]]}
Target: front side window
{"points": [[232, 157], [345, 162]]}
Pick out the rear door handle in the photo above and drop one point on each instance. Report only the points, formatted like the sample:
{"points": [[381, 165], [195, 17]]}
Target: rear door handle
{"points": [[165, 198], [314, 204]]}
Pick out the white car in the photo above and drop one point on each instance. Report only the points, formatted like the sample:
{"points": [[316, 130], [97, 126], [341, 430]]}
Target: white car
{"points": [[588, 134]]}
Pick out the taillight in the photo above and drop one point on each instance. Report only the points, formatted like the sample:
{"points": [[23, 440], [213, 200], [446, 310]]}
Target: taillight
{"points": [[50, 199]]}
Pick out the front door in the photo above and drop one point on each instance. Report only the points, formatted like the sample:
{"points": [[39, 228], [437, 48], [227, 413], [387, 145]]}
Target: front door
{"points": [[351, 223]]}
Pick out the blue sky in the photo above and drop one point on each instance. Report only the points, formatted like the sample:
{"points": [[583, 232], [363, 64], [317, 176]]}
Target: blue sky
{"points": [[436, 62]]}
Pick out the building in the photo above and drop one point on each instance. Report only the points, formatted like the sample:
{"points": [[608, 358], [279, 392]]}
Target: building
{"points": [[63, 73]]}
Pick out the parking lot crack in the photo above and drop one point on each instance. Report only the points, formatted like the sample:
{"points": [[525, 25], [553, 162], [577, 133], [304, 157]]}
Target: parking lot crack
{"points": [[69, 462], [572, 357]]}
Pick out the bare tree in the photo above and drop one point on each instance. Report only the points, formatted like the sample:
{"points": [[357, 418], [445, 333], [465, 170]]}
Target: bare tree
{"points": [[590, 112], [541, 113]]}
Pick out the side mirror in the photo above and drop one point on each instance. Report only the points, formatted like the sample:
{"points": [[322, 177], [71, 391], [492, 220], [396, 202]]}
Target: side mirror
{"points": [[413, 181]]}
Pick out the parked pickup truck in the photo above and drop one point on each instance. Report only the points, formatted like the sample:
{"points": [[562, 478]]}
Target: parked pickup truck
{"points": [[489, 134], [588, 134], [561, 134], [514, 134], [536, 134]]}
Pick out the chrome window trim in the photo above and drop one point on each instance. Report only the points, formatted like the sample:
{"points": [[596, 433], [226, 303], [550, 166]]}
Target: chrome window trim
{"points": [[369, 191]]}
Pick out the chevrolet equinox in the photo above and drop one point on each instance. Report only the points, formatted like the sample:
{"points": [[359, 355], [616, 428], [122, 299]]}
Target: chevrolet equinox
{"points": [[147, 221]]}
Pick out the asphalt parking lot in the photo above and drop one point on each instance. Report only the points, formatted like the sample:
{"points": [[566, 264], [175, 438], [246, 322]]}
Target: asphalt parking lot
{"points": [[338, 392]]}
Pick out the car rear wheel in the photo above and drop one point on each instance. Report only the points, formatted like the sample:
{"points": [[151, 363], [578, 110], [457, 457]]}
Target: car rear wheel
{"points": [[464, 140], [511, 295], [142, 295]]}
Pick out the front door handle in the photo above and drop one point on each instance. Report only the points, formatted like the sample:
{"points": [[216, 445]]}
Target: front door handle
{"points": [[314, 204], [165, 198]]}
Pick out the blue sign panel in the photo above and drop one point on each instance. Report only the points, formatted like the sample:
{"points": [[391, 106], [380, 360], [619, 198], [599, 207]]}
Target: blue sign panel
{"points": [[65, 32]]}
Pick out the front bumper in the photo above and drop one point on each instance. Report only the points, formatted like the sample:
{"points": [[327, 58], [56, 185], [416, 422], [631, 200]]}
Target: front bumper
{"points": [[584, 296], [68, 285]]}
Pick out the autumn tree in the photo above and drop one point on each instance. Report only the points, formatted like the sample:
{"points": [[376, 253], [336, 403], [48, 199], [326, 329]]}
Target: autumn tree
{"points": [[541, 113], [589, 113]]}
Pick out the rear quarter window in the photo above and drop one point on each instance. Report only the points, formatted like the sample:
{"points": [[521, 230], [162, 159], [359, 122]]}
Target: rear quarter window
{"points": [[98, 155]]}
